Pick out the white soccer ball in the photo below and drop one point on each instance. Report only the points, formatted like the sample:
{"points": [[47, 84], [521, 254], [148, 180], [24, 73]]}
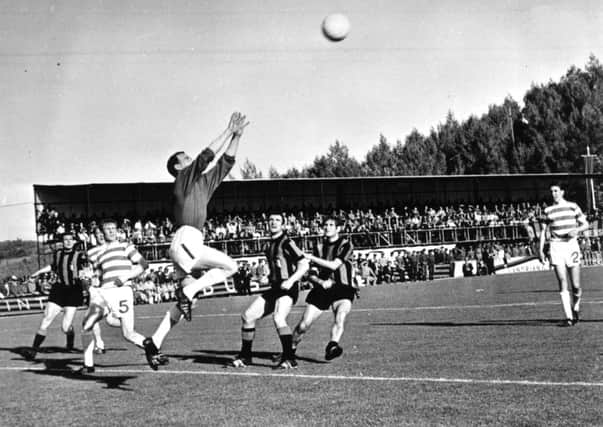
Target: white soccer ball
{"points": [[336, 27]]}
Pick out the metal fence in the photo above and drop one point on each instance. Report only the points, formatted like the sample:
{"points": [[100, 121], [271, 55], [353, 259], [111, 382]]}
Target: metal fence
{"points": [[368, 240]]}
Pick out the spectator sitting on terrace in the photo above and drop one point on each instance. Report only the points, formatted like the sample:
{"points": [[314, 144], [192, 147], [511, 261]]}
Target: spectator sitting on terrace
{"points": [[367, 274], [467, 268]]}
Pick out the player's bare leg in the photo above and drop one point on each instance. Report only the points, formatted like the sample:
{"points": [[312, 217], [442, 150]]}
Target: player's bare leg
{"points": [[561, 272], [574, 274], [252, 314], [170, 319], [341, 309], [50, 313], [99, 344], [93, 315], [311, 313], [282, 309], [67, 326]]}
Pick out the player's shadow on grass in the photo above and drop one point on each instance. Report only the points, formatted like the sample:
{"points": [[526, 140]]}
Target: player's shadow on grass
{"points": [[61, 368], [527, 322], [529, 291], [225, 357], [20, 351]]}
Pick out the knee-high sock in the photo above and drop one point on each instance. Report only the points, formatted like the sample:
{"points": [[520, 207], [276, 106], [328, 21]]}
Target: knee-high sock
{"points": [[565, 301], [38, 339], [247, 335], [286, 341], [88, 346], [213, 276], [171, 317], [98, 340], [297, 337], [577, 292], [70, 337]]}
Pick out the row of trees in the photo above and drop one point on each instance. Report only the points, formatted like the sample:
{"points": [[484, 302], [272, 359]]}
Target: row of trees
{"points": [[549, 134]]}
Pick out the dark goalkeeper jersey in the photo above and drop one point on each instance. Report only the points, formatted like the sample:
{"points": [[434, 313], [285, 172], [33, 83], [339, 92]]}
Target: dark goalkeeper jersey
{"points": [[193, 188]]}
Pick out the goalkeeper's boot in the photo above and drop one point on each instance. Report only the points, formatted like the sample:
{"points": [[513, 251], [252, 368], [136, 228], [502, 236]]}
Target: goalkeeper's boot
{"points": [[151, 352]]}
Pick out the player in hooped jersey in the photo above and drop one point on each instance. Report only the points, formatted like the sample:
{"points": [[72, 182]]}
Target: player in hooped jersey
{"points": [[193, 188], [117, 263], [287, 266], [333, 287], [564, 222]]}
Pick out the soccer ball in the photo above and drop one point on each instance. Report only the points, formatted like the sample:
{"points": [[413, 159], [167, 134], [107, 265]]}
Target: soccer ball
{"points": [[336, 27]]}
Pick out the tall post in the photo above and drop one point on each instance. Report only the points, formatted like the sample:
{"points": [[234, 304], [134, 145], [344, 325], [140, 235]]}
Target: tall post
{"points": [[591, 204]]}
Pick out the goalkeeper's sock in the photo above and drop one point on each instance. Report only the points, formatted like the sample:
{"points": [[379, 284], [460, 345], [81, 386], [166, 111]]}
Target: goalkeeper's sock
{"points": [[565, 301]]}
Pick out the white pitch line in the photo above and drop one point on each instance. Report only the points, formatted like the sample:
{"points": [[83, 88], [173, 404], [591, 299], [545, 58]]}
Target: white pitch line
{"points": [[434, 307], [330, 377]]}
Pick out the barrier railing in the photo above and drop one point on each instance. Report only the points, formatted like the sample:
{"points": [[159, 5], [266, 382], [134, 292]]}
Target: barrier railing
{"points": [[367, 240]]}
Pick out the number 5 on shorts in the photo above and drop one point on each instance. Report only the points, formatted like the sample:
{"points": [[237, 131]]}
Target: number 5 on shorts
{"points": [[123, 306]]}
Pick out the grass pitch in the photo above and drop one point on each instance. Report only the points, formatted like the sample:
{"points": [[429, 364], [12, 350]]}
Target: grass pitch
{"points": [[479, 351]]}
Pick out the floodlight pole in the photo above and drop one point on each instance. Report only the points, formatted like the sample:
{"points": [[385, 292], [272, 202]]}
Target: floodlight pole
{"points": [[591, 204]]}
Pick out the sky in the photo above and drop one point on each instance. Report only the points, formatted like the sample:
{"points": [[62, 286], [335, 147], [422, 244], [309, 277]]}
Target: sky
{"points": [[104, 91]]}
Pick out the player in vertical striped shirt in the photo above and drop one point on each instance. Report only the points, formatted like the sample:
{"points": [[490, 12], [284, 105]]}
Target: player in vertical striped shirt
{"points": [[287, 266], [333, 286], [564, 221], [65, 295], [117, 263]]}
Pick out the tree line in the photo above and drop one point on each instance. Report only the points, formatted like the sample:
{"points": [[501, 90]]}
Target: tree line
{"points": [[548, 134]]}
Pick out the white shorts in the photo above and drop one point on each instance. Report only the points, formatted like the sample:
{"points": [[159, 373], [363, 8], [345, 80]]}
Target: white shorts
{"points": [[186, 249], [565, 253], [115, 302]]}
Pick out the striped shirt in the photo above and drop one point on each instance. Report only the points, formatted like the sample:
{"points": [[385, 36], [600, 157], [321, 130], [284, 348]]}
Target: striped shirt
{"points": [[115, 259], [562, 218], [341, 249], [67, 265], [93, 254], [282, 255]]}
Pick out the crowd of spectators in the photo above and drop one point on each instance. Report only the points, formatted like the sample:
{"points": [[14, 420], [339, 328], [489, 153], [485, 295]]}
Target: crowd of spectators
{"points": [[158, 228], [372, 267]]}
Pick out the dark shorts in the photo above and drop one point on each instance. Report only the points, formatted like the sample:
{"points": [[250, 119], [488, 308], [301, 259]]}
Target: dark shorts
{"points": [[66, 296], [272, 294], [323, 298]]}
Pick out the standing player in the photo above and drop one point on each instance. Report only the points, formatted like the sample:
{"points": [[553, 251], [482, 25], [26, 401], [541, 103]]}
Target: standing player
{"points": [[117, 263], [287, 265], [193, 189], [333, 287], [565, 221], [65, 295]]}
